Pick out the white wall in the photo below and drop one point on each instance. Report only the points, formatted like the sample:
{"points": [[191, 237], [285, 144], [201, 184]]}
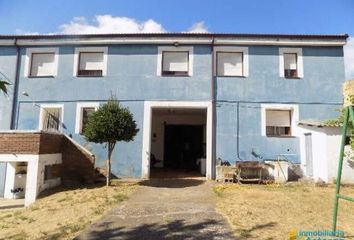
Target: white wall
{"points": [[326, 143], [35, 173]]}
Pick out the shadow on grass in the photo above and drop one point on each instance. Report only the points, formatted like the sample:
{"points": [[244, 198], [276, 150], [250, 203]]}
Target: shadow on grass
{"points": [[247, 233], [176, 229], [172, 183]]}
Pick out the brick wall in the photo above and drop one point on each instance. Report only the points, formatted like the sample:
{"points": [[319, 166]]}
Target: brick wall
{"points": [[77, 164], [20, 143]]}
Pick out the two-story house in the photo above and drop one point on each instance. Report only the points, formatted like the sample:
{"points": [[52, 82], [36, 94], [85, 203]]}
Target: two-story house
{"points": [[194, 96]]}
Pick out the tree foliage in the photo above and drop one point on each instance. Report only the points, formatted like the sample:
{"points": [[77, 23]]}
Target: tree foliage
{"points": [[3, 86], [110, 124]]}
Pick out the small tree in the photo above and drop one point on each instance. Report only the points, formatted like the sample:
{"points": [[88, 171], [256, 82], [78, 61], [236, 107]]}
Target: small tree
{"points": [[110, 124], [3, 86]]}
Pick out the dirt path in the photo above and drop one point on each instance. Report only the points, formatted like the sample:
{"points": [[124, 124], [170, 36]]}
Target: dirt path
{"points": [[164, 209]]}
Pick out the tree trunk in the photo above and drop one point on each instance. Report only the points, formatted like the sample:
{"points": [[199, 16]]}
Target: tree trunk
{"points": [[110, 150]]}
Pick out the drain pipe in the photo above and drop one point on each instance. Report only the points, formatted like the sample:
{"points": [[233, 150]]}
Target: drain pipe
{"points": [[16, 82], [213, 102]]}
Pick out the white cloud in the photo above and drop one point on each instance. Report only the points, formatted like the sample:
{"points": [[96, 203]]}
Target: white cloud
{"points": [[110, 24], [23, 32], [349, 59], [198, 27]]}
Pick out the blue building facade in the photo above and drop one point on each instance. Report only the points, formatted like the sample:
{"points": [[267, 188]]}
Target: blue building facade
{"points": [[243, 86]]}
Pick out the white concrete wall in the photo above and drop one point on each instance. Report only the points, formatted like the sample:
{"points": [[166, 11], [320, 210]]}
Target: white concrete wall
{"points": [[35, 173], [47, 159], [326, 143], [158, 129]]}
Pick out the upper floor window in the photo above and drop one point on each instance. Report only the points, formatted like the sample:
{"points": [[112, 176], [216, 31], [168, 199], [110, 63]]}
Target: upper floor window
{"points": [[41, 62], [175, 61], [90, 62], [83, 112], [231, 61], [42, 65], [51, 117], [291, 65]]}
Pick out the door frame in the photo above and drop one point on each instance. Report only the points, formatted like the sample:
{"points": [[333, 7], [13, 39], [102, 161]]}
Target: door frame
{"points": [[146, 147]]}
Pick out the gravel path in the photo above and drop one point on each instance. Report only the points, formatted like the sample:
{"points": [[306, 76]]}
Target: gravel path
{"points": [[164, 209]]}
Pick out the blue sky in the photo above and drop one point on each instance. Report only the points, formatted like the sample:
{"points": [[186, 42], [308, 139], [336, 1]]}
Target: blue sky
{"points": [[251, 16], [248, 16]]}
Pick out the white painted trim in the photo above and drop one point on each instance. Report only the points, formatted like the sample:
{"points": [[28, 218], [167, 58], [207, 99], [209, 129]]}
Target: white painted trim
{"points": [[28, 59], [207, 40], [175, 49], [41, 114], [244, 51], [90, 49], [79, 107], [295, 131], [146, 149], [300, 64]]}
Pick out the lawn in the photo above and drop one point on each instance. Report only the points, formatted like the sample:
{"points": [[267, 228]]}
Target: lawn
{"points": [[62, 213], [273, 211]]}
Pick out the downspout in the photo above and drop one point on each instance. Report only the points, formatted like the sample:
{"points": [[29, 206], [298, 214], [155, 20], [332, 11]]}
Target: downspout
{"points": [[213, 103], [15, 93]]}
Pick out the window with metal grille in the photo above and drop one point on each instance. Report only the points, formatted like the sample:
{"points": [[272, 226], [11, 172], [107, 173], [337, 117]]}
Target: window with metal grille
{"points": [[51, 119]]}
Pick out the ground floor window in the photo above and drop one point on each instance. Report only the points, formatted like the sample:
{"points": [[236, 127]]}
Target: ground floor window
{"points": [[51, 117], [278, 122]]}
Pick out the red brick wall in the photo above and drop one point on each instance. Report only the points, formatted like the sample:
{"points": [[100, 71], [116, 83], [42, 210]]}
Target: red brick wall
{"points": [[20, 143], [77, 165]]}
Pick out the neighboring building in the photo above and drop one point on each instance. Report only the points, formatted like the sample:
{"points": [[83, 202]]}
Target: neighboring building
{"points": [[194, 96]]}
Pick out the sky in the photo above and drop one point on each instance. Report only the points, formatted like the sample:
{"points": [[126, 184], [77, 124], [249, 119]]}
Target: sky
{"points": [[232, 16]]}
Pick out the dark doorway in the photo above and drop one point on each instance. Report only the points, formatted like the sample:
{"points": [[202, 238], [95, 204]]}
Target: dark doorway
{"points": [[183, 146]]}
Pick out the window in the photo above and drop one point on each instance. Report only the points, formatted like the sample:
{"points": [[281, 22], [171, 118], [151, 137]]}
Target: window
{"points": [[175, 63], [278, 122], [90, 64], [51, 171], [229, 63], [42, 65], [291, 63], [83, 111], [51, 117], [41, 62]]}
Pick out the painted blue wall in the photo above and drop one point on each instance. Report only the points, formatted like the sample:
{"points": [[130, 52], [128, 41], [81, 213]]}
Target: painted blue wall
{"points": [[318, 94], [131, 76], [7, 73]]}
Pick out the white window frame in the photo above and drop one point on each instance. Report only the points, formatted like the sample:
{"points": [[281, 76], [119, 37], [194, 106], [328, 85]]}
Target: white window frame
{"points": [[79, 107], [175, 49], [300, 65], [90, 49], [42, 111], [243, 50], [294, 108], [28, 60]]}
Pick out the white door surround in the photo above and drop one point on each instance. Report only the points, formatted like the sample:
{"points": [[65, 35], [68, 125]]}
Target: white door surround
{"points": [[149, 105]]}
